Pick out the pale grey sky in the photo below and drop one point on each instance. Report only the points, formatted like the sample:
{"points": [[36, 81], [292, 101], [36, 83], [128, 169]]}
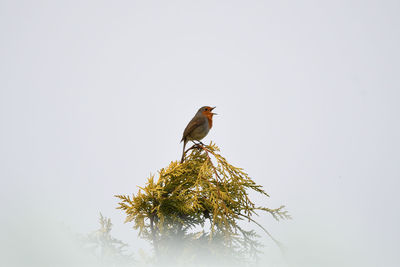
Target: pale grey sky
{"points": [[94, 96]]}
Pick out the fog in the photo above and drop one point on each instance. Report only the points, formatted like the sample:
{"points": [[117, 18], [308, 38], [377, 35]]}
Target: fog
{"points": [[94, 97]]}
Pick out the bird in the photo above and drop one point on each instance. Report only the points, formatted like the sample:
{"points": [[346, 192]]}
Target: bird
{"points": [[198, 127]]}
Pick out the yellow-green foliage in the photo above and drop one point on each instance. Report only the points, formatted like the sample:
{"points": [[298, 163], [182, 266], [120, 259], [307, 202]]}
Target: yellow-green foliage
{"points": [[186, 195], [105, 247]]}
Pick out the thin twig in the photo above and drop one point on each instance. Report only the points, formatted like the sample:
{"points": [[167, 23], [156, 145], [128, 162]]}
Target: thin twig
{"points": [[279, 244]]}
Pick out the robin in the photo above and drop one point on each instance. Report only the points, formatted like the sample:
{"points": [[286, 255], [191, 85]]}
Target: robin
{"points": [[198, 127]]}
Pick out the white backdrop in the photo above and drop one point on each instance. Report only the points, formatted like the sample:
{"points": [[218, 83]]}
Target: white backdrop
{"points": [[94, 96]]}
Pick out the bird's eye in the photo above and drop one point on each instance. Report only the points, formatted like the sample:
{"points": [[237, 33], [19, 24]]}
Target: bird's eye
{"points": [[206, 109]]}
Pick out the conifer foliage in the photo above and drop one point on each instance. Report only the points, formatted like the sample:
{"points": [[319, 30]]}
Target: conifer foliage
{"points": [[198, 203], [106, 248]]}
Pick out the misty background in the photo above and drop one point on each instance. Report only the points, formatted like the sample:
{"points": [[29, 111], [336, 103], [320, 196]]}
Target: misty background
{"points": [[95, 95]]}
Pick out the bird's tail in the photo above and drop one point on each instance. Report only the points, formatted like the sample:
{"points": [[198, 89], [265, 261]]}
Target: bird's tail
{"points": [[183, 152]]}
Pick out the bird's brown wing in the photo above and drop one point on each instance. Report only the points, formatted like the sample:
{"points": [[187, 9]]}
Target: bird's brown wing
{"points": [[193, 124]]}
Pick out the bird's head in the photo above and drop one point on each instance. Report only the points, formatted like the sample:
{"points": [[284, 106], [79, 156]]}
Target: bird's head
{"points": [[207, 111]]}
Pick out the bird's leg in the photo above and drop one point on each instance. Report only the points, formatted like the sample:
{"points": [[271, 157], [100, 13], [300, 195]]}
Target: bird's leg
{"points": [[192, 147], [198, 143]]}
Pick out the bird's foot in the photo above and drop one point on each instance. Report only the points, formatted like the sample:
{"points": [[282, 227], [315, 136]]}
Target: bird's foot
{"points": [[198, 143]]}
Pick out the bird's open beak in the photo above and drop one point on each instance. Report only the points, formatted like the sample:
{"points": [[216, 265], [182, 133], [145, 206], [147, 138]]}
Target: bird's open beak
{"points": [[213, 112]]}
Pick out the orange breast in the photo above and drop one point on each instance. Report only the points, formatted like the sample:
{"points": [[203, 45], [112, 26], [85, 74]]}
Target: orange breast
{"points": [[209, 118]]}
